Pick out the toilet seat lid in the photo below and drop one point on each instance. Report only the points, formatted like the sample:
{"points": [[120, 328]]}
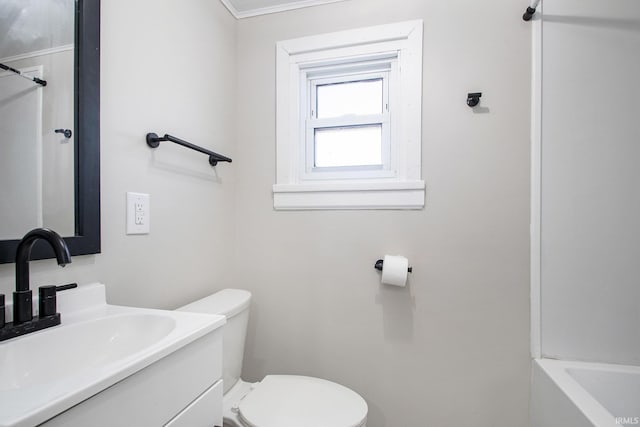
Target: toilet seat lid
{"points": [[294, 401]]}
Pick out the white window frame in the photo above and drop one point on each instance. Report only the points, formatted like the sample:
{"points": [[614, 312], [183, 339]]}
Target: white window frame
{"points": [[393, 51], [313, 172]]}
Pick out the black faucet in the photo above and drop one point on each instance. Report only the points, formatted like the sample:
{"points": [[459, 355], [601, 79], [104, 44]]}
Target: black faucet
{"points": [[23, 321], [22, 306]]}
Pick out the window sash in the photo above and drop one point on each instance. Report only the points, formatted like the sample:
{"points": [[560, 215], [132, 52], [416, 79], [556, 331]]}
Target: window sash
{"points": [[345, 134], [312, 172], [382, 120], [338, 78]]}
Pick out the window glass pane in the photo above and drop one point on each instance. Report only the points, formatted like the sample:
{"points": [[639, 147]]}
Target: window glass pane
{"points": [[348, 146], [340, 99]]}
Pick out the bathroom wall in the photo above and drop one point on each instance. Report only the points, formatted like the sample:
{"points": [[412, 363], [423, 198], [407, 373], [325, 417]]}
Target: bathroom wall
{"points": [[55, 204], [453, 347], [20, 99], [166, 68], [590, 199], [450, 349]]}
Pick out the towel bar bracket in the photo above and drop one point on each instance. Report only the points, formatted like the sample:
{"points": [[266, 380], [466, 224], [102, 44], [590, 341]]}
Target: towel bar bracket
{"points": [[152, 140]]}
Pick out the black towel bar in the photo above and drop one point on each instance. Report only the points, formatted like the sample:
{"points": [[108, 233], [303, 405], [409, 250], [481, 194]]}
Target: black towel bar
{"points": [[19, 73], [153, 141]]}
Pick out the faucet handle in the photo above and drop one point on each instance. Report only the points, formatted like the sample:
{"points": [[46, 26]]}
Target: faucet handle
{"points": [[47, 300], [22, 307], [65, 287]]}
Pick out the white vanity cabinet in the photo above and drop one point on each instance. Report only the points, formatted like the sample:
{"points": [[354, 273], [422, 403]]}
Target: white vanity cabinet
{"points": [[181, 389]]}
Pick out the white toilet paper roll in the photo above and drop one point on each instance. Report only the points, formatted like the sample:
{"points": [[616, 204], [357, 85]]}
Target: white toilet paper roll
{"points": [[394, 270]]}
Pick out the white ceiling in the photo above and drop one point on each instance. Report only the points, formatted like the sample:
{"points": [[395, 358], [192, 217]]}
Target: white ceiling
{"points": [[246, 8]]}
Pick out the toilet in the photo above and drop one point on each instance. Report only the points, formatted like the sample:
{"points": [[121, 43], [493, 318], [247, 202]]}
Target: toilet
{"points": [[276, 400]]}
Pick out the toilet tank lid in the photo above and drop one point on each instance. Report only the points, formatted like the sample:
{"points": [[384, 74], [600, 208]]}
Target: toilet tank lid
{"points": [[227, 302]]}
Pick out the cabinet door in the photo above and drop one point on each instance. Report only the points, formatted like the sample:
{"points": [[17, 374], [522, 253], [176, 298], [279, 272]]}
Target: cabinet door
{"points": [[154, 395], [205, 411]]}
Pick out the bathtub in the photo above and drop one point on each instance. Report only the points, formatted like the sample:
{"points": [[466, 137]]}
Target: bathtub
{"points": [[581, 394]]}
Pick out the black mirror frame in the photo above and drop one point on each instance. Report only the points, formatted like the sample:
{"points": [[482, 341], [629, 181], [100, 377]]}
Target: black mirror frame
{"points": [[87, 148]]}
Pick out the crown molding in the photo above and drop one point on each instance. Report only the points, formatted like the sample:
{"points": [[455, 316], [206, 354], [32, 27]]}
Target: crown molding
{"points": [[273, 9]]}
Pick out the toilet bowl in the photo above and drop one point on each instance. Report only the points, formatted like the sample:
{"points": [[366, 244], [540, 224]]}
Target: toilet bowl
{"points": [[276, 400]]}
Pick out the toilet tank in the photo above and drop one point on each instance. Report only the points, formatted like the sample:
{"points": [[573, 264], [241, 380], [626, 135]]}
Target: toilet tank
{"points": [[234, 305]]}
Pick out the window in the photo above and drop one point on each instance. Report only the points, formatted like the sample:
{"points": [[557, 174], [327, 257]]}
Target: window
{"points": [[347, 126], [349, 120]]}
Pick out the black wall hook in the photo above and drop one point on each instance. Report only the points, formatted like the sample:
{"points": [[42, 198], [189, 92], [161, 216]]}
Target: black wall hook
{"points": [[473, 99], [66, 132]]}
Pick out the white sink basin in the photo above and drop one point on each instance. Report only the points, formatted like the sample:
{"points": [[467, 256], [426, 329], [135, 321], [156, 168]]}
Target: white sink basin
{"points": [[86, 345], [46, 372]]}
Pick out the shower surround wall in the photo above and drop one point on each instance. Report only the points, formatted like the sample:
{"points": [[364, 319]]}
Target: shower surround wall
{"points": [[590, 202], [453, 347]]}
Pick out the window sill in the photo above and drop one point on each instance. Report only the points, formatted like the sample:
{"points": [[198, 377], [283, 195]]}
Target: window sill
{"points": [[357, 195]]}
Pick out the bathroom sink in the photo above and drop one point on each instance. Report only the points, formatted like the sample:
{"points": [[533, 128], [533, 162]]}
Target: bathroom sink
{"points": [[79, 347], [46, 372]]}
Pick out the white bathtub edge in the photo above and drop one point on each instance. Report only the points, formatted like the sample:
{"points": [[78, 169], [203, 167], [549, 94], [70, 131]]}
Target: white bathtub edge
{"points": [[548, 373]]}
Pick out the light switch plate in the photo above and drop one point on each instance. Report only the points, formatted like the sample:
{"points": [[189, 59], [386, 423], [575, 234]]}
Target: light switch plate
{"points": [[138, 213]]}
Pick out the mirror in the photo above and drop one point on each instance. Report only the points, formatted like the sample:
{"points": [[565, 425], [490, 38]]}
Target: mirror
{"points": [[37, 39], [50, 178]]}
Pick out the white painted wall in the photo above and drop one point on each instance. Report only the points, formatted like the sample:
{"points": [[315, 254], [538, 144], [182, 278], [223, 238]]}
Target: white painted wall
{"points": [[56, 158], [165, 68], [20, 162], [452, 348], [590, 200]]}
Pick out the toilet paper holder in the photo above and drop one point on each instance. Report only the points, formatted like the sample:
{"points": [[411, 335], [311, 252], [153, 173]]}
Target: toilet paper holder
{"points": [[380, 262]]}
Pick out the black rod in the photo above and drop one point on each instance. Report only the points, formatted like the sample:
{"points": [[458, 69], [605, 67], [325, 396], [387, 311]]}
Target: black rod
{"points": [[18, 72], [531, 10], [153, 141], [379, 265], [528, 14]]}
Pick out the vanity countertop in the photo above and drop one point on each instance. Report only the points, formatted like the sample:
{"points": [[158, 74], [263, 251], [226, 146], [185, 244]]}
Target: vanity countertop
{"points": [[97, 345]]}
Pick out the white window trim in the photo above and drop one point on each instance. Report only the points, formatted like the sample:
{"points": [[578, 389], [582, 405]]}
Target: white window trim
{"points": [[403, 190]]}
